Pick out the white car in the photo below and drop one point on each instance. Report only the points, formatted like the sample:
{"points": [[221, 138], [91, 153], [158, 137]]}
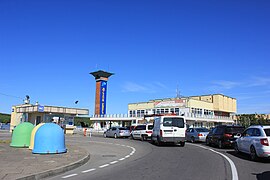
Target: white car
{"points": [[169, 129], [255, 142], [142, 132]]}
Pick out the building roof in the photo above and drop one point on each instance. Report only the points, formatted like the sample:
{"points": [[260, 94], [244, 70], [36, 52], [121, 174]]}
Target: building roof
{"points": [[100, 73], [29, 108]]}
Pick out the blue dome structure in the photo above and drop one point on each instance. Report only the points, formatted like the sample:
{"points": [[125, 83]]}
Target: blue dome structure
{"points": [[49, 139]]}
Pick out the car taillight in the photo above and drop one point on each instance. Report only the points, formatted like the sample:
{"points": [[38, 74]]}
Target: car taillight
{"points": [[227, 135], [160, 132], [264, 142], [200, 134], [148, 131]]}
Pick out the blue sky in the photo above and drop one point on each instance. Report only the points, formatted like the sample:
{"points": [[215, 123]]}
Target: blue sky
{"points": [[48, 48]]}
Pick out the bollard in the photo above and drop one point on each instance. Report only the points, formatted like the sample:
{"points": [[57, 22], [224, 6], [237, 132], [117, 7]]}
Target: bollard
{"points": [[84, 132]]}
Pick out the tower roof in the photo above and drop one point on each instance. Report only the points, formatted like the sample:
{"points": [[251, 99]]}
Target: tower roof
{"points": [[99, 74]]}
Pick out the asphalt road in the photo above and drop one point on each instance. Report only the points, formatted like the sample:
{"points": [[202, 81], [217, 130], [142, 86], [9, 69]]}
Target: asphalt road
{"points": [[130, 159]]}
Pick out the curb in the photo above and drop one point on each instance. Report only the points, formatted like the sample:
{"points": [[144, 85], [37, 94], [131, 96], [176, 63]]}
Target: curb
{"points": [[57, 171]]}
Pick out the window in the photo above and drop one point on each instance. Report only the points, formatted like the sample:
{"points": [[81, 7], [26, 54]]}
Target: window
{"points": [[162, 111], [267, 132], [220, 130], [176, 122], [256, 132], [140, 127], [248, 132]]}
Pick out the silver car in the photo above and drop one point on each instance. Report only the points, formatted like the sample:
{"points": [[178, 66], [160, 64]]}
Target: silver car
{"points": [[196, 134], [117, 132]]}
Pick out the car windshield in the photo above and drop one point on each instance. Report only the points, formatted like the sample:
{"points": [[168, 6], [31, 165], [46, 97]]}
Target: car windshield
{"points": [[202, 130], [267, 132], [173, 121], [123, 128], [235, 129], [150, 127]]}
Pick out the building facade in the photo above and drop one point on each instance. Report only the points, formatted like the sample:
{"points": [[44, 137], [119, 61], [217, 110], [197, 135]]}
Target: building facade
{"points": [[215, 107]]}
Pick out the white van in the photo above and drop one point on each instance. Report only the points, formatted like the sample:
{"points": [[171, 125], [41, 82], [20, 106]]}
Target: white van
{"points": [[169, 129]]}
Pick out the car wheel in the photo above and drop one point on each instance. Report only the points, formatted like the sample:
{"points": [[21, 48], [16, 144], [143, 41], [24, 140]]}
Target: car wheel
{"points": [[104, 135], [115, 136], [192, 139], [207, 142], [236, 147], [152, 140], [220, 144], [182, 144], [253, 154]]}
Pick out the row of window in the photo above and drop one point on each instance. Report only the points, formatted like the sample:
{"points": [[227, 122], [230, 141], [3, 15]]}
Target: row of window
{"points": [[141, 113], [201, 111]]}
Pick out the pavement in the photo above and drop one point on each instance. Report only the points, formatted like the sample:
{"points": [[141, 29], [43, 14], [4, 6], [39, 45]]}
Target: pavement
{"points": [[20, 163]]}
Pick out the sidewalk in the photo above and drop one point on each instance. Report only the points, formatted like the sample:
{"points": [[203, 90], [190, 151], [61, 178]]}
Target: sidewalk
{"points": [[20, 163]]}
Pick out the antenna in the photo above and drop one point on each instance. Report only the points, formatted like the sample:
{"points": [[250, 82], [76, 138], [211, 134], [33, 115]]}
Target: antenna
{"points": [[177, 92]]}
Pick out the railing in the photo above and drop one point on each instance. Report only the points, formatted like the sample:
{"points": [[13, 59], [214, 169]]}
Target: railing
{"points": [[187, 115]]}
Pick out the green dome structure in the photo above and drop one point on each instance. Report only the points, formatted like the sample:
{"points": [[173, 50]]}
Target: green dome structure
{"points": [[21, 135]]}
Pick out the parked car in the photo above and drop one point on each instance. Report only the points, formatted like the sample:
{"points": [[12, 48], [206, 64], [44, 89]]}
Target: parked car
{"points": [[117, 132], [224, 135], [255, 142], [142, 132], [196, 134], [169, 129]]}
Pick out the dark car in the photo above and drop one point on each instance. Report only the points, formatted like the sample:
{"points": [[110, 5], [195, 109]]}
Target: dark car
{"points": [[224, 135]]}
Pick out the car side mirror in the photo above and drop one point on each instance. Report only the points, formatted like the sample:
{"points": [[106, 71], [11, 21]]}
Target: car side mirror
{"points": [[238, 135]]}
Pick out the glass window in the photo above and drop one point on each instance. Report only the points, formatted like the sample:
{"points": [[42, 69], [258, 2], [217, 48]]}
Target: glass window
{"points": [[235, 130], [256, 132], [150, 127], [172, 121], [162, 111], [202, 130], [267, 132]]}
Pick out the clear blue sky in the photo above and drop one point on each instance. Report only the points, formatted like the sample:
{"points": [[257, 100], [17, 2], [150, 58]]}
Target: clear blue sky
{"points": [[49, 47]]}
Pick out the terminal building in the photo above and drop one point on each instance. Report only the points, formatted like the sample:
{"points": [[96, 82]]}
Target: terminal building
{"points": [[200, 111], [35, 114]]}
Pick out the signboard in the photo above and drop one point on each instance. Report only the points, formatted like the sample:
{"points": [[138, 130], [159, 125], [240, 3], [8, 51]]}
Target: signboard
{"points": [[40, 108], [170, 103], [103, 92]]}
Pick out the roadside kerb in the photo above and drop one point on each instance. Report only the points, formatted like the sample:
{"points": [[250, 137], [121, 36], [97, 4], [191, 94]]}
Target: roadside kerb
{"points": [[57, 171]]}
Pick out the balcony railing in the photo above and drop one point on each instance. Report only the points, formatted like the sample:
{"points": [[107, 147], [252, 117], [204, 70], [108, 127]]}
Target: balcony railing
{"points": [[187, 115]]}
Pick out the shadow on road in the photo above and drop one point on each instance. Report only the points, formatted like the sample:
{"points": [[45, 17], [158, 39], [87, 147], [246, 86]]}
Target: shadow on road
{"points": [[247, 157], [263, 176]]}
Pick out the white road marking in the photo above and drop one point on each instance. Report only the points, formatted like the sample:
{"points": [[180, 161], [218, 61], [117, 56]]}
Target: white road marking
{"points": [[68, 176], [89, 170], [105, 165], [113, 162], [233, 167]]}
